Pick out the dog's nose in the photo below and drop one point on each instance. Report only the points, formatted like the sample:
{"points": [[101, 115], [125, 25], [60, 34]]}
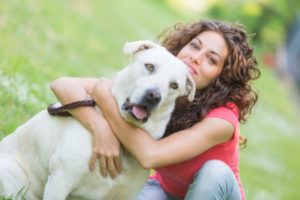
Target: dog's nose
{"points": [[153, 96]]}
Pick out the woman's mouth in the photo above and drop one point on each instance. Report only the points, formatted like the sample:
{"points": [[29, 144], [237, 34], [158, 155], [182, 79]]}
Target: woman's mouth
{"points": [[191, 69]]}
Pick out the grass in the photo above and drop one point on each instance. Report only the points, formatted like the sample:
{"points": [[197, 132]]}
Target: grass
{"points": [[43, 40], [270, 164], [21, 195]]}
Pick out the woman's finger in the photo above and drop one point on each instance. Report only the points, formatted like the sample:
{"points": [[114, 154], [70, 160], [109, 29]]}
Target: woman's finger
{"points": [[103, 166], [92, 162], [111, 168], [118, 164]]}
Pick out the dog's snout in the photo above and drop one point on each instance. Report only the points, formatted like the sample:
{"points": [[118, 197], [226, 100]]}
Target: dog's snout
{"points": [[153, 96]]}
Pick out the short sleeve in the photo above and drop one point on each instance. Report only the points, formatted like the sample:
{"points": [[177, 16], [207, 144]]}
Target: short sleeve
{"points": [[228, 113]]}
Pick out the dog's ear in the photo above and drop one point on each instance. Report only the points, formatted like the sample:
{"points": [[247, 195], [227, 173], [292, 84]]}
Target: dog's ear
{"points": [[190, 87], [134, 47]]}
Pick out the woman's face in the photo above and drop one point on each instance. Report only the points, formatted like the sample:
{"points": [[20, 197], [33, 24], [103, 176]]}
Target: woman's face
{"points": [[205, 56]]}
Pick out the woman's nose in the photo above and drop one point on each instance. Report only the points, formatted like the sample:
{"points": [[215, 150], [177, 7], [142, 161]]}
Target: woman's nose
{"points": [[197, 58]]}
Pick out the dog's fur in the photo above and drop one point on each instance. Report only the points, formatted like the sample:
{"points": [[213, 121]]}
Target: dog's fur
{"points": [[50, 155]]}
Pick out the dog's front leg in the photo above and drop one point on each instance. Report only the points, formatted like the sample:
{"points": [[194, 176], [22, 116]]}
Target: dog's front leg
{"points": [[59, 185]]}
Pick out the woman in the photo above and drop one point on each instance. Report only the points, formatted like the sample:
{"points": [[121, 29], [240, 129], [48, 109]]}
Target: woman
{"points": [[198, 156]]}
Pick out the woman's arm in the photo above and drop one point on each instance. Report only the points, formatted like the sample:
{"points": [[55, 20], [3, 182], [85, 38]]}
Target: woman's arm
{"points": [[106, 147], [175, 148], [70, 89]]}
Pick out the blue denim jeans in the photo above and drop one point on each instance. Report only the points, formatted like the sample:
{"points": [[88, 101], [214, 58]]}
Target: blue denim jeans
{"points": [[214, 181]]}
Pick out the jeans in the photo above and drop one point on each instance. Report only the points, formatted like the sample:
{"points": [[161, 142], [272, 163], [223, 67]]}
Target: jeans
{"points": [[214, 181]]}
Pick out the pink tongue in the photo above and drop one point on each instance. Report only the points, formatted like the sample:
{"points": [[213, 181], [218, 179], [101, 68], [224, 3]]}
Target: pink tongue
{"points": [[139, 112]]}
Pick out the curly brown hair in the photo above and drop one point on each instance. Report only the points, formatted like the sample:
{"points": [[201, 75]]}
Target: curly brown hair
{"points": [[232, 85]]}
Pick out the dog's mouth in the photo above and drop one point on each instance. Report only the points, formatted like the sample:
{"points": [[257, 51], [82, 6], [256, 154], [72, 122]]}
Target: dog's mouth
{"points": [[137, 111]]}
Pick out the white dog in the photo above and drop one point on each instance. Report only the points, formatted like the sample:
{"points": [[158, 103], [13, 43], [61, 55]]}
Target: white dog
{"points": [[50, 155]]}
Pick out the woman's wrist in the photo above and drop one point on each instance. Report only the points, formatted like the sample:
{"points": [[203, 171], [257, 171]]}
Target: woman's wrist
{"points": [[98, 126]]}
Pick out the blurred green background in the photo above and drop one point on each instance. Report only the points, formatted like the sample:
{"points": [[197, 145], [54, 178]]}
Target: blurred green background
{"points": [[43, 40]]}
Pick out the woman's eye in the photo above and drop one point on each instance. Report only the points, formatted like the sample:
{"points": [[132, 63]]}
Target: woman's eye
{"points": [[212, 61], [150, 67], [174, 85], [195, 45]]}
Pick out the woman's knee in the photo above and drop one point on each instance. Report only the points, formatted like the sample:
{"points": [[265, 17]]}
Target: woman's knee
{"points": [[215, 169], [152, 191], [214, 176]]}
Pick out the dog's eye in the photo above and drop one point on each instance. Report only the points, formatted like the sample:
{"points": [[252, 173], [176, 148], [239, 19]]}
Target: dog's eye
{"points": [[174, 85], [150, 67]]}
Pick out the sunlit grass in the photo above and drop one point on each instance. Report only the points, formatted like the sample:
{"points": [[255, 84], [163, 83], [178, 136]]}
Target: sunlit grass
{"points": [[43, 40]]}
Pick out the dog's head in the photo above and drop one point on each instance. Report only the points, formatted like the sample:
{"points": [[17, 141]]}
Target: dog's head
{"points": [[147, 88]]}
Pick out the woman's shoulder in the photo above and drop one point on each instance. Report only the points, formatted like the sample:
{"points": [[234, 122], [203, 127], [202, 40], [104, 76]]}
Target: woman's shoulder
{"points": [[233, 107], [228, 112]]}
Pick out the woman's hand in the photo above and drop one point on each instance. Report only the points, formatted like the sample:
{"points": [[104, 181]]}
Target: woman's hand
{"points": [[106, 148]]}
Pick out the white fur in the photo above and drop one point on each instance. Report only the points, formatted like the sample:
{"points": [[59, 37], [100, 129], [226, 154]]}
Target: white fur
{"points": [[49, 155]]}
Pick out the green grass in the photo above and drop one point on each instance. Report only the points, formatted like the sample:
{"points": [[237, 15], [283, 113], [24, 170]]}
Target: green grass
{"points": [[21, 195], [270, 164], [43, 40]]}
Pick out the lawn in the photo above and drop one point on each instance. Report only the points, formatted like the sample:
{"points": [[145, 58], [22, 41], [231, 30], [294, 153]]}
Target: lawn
{"points": [[43, 40]]}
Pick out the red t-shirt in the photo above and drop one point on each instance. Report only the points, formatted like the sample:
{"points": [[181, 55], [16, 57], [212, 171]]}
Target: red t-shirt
{"points": [[175, 179]]}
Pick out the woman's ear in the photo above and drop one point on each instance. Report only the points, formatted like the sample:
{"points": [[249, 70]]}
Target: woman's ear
{"points": [[134, 47], [190, 87]]}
